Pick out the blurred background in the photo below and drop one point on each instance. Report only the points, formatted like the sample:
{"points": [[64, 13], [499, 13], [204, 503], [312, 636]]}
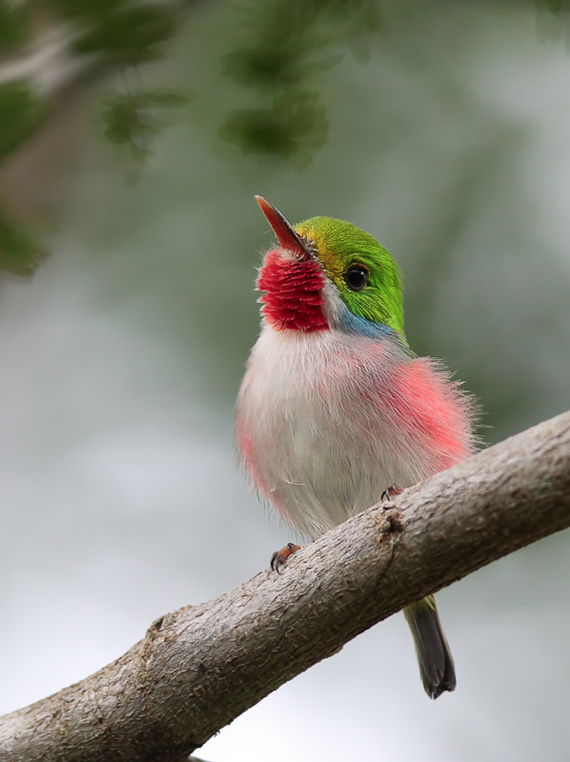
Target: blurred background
{"points": [[132, 140]]}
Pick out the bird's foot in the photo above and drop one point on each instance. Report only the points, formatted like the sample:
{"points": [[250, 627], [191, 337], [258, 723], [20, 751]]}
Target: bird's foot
{"points": [[390, 492], [391, 513], [279, 558]]}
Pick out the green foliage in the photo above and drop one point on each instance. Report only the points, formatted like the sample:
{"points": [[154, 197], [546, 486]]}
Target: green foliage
{"points": [[135, 120], [20, 254], [13, 26], [553, 19], [554, 6], [293, 125], [128, 35], [291, 42], [121, 31], [284, 47], [20, 113], [80, 9]]}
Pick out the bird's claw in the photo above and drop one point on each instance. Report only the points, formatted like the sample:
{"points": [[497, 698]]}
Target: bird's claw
{"points": [[279, 558], [390, 492]]}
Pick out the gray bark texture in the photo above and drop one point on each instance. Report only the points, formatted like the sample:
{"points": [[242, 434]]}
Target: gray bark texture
{"points": [[198, 668]]}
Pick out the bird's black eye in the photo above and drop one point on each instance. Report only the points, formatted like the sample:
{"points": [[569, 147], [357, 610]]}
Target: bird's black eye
{"points": [[356, 277]]}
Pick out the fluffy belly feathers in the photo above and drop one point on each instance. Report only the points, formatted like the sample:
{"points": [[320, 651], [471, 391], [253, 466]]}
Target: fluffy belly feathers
{"points": [[325, 421]]}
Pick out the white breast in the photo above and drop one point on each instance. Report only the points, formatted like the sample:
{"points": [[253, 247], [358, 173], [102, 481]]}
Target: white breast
{"points": [[316, 427]]}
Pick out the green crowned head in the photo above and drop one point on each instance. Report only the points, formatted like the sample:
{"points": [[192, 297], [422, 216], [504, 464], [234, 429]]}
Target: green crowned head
{"points": [[367, 278]]}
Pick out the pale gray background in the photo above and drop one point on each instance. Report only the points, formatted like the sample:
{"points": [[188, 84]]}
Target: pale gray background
{"points": [[122, 358]]}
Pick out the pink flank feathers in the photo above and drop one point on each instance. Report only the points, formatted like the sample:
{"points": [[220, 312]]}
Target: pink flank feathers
{"points": [[434, 409]]}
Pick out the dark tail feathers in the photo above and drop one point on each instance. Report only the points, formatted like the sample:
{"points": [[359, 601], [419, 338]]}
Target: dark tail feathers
{"points": [[436, 663]]}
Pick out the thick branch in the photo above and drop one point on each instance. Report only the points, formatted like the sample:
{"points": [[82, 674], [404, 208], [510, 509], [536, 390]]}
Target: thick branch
{"points": [[200, 667]]}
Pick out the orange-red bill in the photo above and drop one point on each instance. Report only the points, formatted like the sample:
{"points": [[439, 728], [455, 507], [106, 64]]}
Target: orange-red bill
{"points": [[287, 237]]}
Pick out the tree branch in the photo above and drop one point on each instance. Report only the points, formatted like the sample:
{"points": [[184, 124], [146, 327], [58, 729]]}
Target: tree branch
{"points": [[200, 667]]}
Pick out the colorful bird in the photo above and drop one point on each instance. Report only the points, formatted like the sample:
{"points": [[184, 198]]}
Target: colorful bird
{"points": [[334, 407]]}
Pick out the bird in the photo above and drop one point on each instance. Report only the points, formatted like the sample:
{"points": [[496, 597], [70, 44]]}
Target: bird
{"points": [[335, 410]]}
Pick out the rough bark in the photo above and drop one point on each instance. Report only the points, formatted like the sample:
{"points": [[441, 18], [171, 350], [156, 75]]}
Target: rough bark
{"points": [[200, 667]]}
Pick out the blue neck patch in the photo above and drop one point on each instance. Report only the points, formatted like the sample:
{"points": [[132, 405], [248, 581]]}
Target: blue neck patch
{"points": [[352, 323]]}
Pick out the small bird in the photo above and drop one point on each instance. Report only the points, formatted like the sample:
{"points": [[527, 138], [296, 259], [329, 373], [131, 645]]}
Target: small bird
{"points": [[334, 407]]}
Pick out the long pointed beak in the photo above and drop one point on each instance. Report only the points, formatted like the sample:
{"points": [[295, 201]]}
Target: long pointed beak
{"points": [[286, 236]]}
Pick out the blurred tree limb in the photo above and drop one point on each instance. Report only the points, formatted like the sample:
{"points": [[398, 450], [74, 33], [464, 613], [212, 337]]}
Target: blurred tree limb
{"points": [[199, 668]]}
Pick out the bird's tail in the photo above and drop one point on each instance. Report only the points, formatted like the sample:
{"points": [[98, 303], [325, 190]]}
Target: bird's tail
{"points": [[436, 663]]}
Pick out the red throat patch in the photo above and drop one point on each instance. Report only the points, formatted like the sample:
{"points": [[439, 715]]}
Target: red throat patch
{"points": [[293, 296]]}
